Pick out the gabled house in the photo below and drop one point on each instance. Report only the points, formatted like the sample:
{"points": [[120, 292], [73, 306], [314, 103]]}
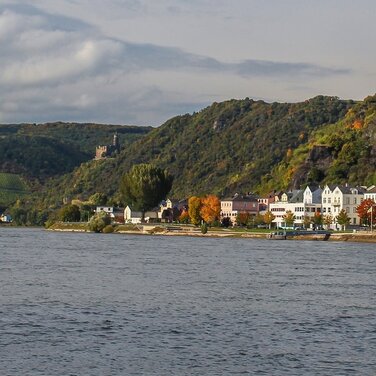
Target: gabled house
{"points": [[232, 206], [342, 197], [168, 210], [370, 193], [135, 217], [116, 214], [265, 201], [302, 203]]}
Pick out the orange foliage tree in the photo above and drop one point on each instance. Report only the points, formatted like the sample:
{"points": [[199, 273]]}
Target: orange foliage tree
{"points": [[364, 211], [210, 209], [184, 217]]}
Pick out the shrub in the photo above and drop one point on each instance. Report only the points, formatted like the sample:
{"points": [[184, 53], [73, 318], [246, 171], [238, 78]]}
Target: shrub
{"points": [[98, 222], [108, 229], [204, 228]]}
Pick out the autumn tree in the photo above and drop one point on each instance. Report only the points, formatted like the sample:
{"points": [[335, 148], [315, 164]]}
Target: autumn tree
{"points": [[144, 186], [343, 219], [184, 216], [269, 217], [317, 219], [194, 210], [364, 211], [306, 221], [328, 220], [259, 219], [210, 209], [289, 218], [242, 219]]}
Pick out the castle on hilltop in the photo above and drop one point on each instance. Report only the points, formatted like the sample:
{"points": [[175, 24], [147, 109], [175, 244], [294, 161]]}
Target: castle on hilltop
{"points": [[107, 151]]}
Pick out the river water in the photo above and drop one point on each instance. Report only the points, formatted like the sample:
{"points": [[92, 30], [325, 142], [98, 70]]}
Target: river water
{"points": [[92, 304]]}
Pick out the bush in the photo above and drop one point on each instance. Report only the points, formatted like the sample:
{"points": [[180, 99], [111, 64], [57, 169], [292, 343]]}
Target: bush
{"points": [[204, 228], [98, 222], [108, 229]]}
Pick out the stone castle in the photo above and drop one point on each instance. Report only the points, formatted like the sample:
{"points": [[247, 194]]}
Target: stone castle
{"points": [[107, 151]]}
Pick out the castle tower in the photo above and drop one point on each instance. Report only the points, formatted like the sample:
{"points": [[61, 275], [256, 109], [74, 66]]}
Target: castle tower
{"points": [[107, 151], [115, 141]]}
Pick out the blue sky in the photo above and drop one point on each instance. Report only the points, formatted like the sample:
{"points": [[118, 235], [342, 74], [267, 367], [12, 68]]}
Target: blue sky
{"points": [[142, 61]]}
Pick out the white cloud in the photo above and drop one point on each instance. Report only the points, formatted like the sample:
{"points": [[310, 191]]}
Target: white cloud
{"points": [[59, 63]]}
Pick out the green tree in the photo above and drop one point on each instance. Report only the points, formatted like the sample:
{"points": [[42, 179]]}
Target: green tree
{"points": [[69, 213], [343, 219], [204, 228], [226, 222], [99, 221], [289, 218], [242, 219], [98, 199], [19, 216], [144, 186], [259, 220], [194, 210]]}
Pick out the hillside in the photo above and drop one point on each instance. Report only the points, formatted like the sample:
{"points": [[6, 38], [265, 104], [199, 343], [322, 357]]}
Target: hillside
{"points": [[226, 147], [12, 187], [53, 149], [344, 152]]}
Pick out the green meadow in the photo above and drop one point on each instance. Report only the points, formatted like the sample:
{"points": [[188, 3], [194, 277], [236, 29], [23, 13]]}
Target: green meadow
{"points": [[12, 187]]}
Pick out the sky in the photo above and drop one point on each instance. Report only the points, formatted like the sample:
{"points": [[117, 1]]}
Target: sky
{"points": [[142, 62]]}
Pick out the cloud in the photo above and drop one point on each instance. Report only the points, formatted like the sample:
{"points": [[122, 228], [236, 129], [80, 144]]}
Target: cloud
{"points": [[61, 66]]}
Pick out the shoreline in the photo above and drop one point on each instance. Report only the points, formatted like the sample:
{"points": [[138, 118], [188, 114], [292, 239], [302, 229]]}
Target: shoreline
{"points": [[156, 230]]}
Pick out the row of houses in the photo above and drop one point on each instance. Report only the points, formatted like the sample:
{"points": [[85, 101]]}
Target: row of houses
{"points": [[303, 203], [168, 211]]}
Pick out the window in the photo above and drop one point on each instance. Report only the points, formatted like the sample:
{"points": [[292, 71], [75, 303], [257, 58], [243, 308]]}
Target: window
{"points": [[324, 200], [329, 200], [354, 200]]}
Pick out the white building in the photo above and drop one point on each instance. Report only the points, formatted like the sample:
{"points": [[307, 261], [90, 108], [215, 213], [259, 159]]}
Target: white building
{"points": [[370, 193], [337, 197], [135, 217], [302, 203]]}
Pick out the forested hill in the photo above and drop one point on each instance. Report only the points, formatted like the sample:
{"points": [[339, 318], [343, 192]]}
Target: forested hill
{"points": [[39, 151], [226, 147], [343, 152]]}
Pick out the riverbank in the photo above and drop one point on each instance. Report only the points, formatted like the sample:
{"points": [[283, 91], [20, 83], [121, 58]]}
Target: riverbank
{"points": [[177, 230]]}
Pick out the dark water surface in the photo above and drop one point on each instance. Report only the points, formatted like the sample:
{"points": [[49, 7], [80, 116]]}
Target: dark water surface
{"points": [[88, 304]]}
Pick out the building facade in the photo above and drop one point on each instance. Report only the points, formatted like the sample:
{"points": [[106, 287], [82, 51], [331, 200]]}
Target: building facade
{"points": [[338, 197], [231, 207]]}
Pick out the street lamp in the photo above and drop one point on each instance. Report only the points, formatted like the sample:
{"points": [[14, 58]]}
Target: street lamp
{"points": [[372, 206]]}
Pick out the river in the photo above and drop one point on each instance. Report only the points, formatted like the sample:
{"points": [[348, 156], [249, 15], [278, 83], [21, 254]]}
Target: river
{"points": [[93, 304]]}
